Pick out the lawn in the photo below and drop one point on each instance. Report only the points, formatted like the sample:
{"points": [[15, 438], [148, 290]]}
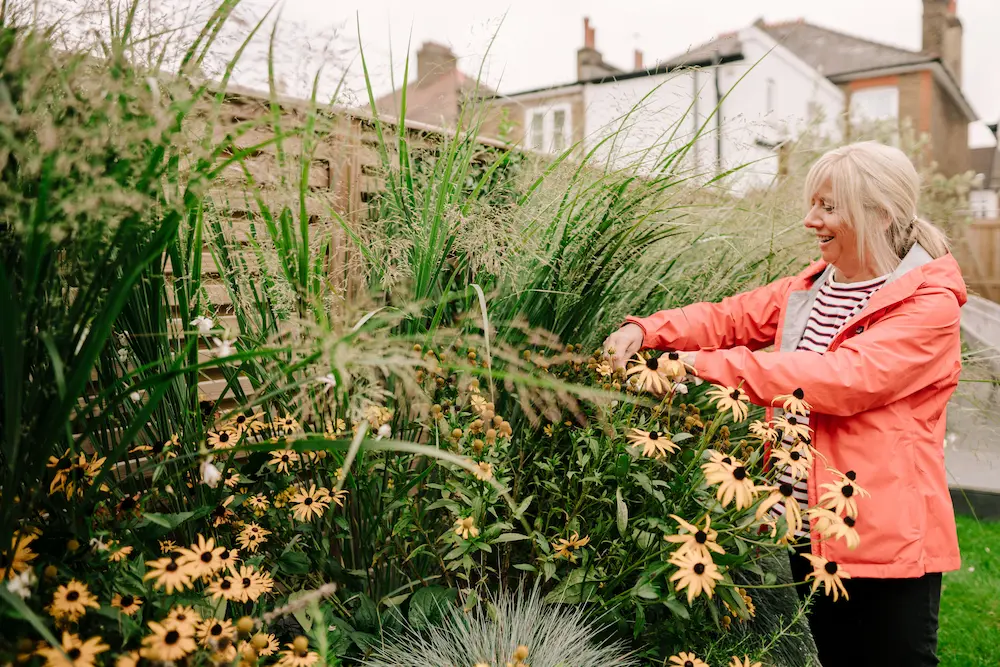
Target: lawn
{"points": [[970, 601]]}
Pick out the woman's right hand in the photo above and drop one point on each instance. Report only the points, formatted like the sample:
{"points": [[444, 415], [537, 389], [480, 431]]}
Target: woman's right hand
{"points": [[625, 343]]}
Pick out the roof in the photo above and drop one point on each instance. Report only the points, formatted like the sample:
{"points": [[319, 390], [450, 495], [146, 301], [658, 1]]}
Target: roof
{"points": [[724, 47], [435, 100]]}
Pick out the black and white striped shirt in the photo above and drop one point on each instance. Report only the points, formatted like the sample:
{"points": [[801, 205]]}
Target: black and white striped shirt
{"points": [[835, 304]]}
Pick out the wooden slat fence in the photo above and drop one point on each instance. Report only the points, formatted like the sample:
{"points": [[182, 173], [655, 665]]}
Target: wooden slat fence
{"points": [[978, 253]]}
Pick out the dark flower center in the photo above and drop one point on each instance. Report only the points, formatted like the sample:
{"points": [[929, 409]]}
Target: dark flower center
{"points": [[652, 364], [180, 617], [653, 435], [851, 475], [688, 663], [849, 521], [206, 556], [219, 511], [216, 630], [127, 601], [224, 555], [799, 394], [831, 568], [701, 537], [699, 568], [246, 582], [128, 504], [740, 473], [223, 437], [726, 460], [63, 464], [73, 653], [4, 562], [308, 501], [171, 566], [847, 490], [241, 419], [795, 456], [158, 447], [793, 421], [171, 638], [73, 596], [673, 356], [785, 489], [225, 584], [735, 395], [284, 458]]}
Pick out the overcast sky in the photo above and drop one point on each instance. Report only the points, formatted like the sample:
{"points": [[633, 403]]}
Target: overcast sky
{"points": [[536, 40]]}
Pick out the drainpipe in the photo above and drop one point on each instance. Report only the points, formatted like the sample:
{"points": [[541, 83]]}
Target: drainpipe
{"points": [[716, 60]]}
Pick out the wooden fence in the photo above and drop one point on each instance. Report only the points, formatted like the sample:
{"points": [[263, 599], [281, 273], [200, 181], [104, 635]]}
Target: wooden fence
{"points": [[978, 252]]}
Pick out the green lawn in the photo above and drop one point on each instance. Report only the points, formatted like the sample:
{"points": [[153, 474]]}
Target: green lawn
{"points": [[970, 601]]}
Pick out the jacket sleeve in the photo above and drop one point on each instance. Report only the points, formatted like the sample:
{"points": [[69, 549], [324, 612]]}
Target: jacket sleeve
{"points": [[910, 348], [749, 319]]}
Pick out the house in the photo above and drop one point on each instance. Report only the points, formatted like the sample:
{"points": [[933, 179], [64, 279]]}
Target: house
{"points": [[789, 75], [984, 200], [436, 96]]}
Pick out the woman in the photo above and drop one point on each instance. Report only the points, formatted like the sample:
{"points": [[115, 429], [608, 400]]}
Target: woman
{"points": [[870, 337]]}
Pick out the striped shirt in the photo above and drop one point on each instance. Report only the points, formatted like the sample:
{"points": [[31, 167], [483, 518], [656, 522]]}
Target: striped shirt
{"points": [[835, 304]]}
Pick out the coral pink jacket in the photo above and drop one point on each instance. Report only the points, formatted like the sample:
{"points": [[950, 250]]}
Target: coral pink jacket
{"points": [[878, 397]]}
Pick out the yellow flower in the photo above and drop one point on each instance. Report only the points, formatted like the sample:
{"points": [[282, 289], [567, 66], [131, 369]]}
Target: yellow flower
{"points": [[730, 398], [223, 439], [222, 514], [167, 546], [229, 558], [252, 536], [466, 527], [831, 526], [829, 574], [649, 376], [169, 574], [683, 659], [71, 600], [484, 471], [243, 423], [782, 493], [698, 540], [23, 555], [183, 615], [696, 572], [288, 424], [733, 480], [564, 549], [519, 656], [202, 558], [225, 587], [263, 644], [794, 402], [792, 427], [168, 448], [73, 652], [744, 663], [120, 554], [655, 444], [841, 496], [168, 642], [311, 503], [252, 585], [797, 459], [338, 496], [282, 459], [763, 431], [130, 659], [212, 630], [297, 657], [548, 430], [129, 604], [258, 503], [604, 369]]}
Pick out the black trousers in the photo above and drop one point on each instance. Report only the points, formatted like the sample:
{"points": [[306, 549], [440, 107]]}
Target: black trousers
{"points": [[886, 622]]}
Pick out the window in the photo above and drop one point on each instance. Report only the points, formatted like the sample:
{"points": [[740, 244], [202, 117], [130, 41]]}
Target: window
{"points": [[772, 92], [549, 128], [984, 204], [872, 105]]}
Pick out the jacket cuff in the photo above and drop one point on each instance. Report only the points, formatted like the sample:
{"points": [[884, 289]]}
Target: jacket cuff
{"points": [[638, 322]]}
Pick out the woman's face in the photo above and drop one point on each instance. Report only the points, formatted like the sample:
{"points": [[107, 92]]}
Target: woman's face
{"points": [[837, 242]]}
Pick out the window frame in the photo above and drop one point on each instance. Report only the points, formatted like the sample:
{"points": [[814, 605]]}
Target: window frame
{"points": [[548, 113]]}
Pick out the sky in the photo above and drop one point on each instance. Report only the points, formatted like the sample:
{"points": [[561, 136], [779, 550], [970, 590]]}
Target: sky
{"points": [[534, 42]]}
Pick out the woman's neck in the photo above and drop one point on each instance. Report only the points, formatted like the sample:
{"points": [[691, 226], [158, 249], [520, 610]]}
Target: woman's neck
{"points": [[855, 276]]}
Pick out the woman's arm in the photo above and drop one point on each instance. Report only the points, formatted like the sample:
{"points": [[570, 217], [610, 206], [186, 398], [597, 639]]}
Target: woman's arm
{"points": [[749, 319], [908, 349]]}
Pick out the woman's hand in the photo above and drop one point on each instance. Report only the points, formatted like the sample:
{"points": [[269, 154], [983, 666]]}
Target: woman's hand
{"points": [[622, 345]]}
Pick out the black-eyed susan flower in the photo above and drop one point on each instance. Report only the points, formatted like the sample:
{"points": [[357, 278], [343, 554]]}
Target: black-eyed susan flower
{"points": [[258, 503], [745, 662], [225, 656], [130, 659], [71, 601], [696, 573], [229, 558], [565, 548], [484, 471], [225, 587], [283, 460], [699, 540], [73, 651], [684, 659], [842, 495], [733, 479], [655, 444], [287, 424], [763, 431], [183, 615], [18, 558], [782, 493], [310, 503], [466, 528], [831, 525], [672, 365], [797, 459], [733, 399], [252, 583], [794, 402], [252, 536], [793, 427], [829, 574], [118, 553], [649, 376], [168, 642], [168, 574], [128, 604], [244, 423], [202, 558], [212, 631], [222, 515], [264, 644], [222, 439], [297, 656], [164, 449]]}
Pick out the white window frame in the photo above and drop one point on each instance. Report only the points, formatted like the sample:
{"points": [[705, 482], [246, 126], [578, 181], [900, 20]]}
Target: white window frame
{"points": [[548, 126], [984, 204]]}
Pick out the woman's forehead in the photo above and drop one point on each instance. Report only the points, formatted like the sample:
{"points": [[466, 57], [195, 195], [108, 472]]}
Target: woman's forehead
{"points": [[823, 190]]}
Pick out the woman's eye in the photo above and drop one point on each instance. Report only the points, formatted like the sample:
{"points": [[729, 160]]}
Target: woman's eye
{"points": [[828, 209]]}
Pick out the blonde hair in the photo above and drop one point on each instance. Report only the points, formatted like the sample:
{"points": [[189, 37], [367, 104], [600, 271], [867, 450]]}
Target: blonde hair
{"points": [[875, 191]]}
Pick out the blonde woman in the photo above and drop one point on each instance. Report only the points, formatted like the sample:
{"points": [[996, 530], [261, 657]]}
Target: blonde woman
{"points": [[869, 337]]}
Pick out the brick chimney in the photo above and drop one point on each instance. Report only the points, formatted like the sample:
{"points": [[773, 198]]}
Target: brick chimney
{"points": [[942, 34], [638, 60], [589, 62], [433, 60]]}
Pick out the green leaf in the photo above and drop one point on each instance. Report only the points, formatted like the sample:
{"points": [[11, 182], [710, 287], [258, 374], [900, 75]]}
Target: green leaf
{"points": [[575, 588], [168, 521], [294, 562], [366, 615], [525, 567], [510, 537], [677, 608], [622, 516], [646, 590], [427, 606], [678, 438], [523, 507]]}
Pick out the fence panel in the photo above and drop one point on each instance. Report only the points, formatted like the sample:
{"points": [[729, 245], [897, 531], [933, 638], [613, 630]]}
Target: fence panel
{"points": [[978, 252]]}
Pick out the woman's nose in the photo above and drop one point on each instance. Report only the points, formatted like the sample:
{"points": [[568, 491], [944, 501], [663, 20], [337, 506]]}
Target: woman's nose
{"points": [[811, 220]]}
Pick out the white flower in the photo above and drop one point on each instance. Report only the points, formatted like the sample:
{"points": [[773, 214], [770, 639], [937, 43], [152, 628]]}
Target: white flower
{"points": [[96, 543], [329, 380], [680, 388], [123, 355], [203, 324], [135, 396], [223, 347], [384, 431], [210, 475], [21, 584]]}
